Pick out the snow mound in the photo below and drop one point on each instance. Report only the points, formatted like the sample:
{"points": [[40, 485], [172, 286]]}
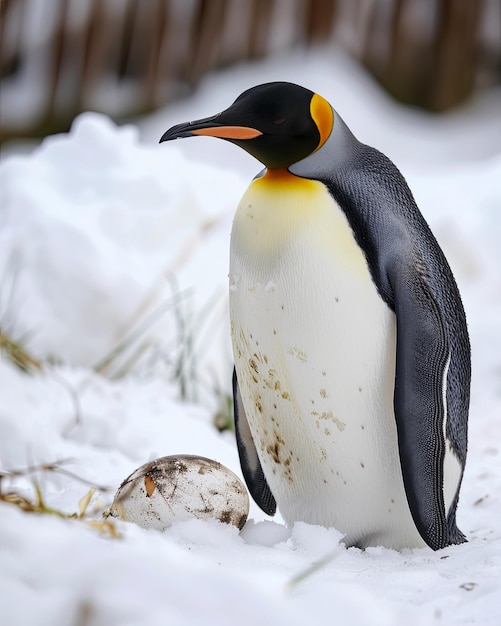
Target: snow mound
{"points": [[97, 231]]}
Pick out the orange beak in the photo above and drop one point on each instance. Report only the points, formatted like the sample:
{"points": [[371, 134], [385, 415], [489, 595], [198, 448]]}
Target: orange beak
{"points": [[210, 127]]}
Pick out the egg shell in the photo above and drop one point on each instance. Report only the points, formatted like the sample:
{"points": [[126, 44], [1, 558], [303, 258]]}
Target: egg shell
{"points": [[179, 488]]}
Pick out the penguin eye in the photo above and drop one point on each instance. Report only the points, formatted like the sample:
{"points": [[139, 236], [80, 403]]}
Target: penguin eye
{"points": [[280, 121]]}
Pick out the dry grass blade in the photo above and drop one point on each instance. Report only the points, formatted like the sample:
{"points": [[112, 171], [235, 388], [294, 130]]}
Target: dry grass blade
{"points": [[105, 527], [12, 347], [223, 419], [309, 571], [38, 504], [17, 354], [131, 342], [32, 506], [56, 466]]}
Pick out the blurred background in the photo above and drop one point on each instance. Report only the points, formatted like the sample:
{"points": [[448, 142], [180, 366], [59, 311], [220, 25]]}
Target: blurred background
{"points": [[128, 58]]}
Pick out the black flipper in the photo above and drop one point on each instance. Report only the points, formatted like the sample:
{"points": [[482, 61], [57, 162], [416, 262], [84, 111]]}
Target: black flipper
{"points": [[423, 359], [249, 460]]}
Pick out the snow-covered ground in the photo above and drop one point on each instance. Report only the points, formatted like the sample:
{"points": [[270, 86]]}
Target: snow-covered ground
{"points": [[107, 241]]}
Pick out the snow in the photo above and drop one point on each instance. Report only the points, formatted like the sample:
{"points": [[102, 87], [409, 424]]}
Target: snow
{"points": [[104, 237]]}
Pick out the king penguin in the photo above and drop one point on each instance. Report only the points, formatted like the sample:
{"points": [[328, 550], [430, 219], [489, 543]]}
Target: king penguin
{"points": [[352, 356]]}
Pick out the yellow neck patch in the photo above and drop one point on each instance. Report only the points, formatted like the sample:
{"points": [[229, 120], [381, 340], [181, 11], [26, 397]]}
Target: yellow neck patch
{"points": [[284, 218], [280, 180], [322, 114]]}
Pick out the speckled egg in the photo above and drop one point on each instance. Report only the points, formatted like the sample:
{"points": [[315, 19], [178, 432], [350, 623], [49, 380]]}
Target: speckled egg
{"points": [[179, 488]]}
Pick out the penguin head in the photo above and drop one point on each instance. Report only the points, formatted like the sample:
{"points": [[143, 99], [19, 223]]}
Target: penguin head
{"points": [[277, 123]]}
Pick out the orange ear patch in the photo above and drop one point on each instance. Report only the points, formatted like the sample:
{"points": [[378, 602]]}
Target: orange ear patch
{"points": [[322, 114]]}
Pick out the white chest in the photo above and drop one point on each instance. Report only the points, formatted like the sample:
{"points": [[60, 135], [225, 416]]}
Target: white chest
{"points": [[314, 349]]}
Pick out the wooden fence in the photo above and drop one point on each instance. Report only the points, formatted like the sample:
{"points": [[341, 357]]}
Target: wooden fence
{"points": [[128, 57]]}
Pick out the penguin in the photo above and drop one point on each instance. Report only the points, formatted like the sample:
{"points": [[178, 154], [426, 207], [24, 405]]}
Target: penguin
{"points": [[352, 356]]}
